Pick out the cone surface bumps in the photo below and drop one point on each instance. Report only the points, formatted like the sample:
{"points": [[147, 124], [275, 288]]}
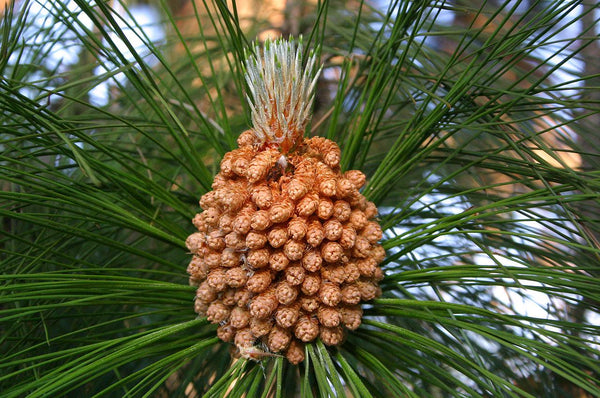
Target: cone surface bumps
{"points": [[286, 248]]}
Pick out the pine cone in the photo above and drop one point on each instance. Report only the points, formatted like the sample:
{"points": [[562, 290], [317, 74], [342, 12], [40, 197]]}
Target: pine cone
{"points": [[286, 246]]}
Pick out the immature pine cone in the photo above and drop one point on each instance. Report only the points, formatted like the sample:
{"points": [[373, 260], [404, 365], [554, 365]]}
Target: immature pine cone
{"points": [[286, 248]]}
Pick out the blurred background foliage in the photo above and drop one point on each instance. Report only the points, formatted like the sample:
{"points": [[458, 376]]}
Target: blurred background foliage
{"points": [[475, 121]]}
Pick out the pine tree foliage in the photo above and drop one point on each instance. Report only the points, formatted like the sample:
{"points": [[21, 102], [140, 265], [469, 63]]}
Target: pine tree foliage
{"points": [[475, 125]]}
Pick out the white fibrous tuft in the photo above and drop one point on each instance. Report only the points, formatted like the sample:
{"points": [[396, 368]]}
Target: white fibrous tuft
{"points": [[282, 91]]}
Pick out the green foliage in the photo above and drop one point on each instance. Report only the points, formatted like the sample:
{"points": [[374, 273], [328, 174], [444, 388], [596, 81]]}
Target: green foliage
{"points": [[470, 134]]}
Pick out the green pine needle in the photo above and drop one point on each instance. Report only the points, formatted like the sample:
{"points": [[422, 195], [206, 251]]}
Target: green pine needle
{"points": [[476, 124]]}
